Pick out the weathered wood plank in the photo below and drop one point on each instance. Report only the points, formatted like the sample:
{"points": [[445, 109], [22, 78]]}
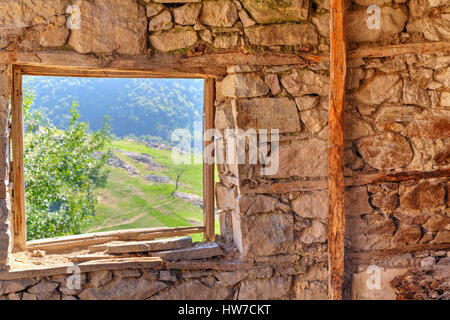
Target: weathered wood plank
{"points": [[211, 63], [285, 187], [70, 245], [90, 257], [98, 247], [208, 168], [336, 206], [102, 73], [359, 180], [145, 246], [396, 177], [399, 49], [168, 233], [89, 266], [206, 265], [199, 252], [123, 235], [121, 263], [20, 232]]}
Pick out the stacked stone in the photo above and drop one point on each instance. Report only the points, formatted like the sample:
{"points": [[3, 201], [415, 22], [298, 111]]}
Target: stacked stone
{"points": [[289, 226], [256, 283], [227, 24], [397, 119], [424, 20], [5, 206], [130, 28]]}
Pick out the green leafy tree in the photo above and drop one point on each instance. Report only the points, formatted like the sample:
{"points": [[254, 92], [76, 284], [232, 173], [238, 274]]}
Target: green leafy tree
{"points": [[63, 169]]}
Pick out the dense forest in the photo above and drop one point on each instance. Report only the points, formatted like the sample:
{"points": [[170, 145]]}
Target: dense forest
{"points": [[140, 107]]}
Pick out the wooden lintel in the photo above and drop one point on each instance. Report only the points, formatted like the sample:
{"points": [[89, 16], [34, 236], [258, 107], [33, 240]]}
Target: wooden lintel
{"points": [[104, 73], [360, 180], [210, 64], [336, 190], [410, 48]]}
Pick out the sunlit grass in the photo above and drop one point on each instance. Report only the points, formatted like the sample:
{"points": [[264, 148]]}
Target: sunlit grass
{"points": [[132, 202]]}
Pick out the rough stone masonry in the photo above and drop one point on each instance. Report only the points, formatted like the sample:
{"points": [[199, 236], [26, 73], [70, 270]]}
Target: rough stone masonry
{"points": [[397, 119]]}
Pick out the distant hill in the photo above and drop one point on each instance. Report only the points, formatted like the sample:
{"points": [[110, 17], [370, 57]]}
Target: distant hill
{"points": [[140, 107]]}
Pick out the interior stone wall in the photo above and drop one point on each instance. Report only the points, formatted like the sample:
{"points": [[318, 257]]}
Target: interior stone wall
{"points": [[5, 204], [397, 119]]}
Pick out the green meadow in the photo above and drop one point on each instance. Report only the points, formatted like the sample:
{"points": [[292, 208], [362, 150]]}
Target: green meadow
{"points": [[130, 201]]}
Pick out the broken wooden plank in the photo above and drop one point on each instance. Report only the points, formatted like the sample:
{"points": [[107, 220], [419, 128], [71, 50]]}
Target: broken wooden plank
{"points": [[145, 246], [399, 49], [169, 233], [336, 190], [90, 257], [202, 251], [69, 245], [98, 247], [123, 235]]}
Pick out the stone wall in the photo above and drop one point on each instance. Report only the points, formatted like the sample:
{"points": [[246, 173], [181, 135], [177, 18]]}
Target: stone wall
{"points": [[264, 282], [397, 119], [5, 205]]}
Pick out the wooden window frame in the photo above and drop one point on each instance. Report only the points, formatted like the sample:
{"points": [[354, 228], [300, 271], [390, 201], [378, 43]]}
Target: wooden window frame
{"points": [[17, 189]]}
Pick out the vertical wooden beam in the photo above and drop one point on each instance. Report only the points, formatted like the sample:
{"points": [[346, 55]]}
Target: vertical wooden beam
{"points": [[208, 169], [336, 207], [20, 232]]}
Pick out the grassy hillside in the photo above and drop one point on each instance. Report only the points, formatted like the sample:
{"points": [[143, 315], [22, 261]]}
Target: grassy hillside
{"points": [[131, 201]]}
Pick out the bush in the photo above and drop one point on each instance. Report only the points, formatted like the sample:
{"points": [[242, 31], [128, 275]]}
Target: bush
{"points": [[63, 169]]}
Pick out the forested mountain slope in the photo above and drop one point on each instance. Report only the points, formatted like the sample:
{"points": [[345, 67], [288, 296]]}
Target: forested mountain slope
{"points": [[136, 106]]}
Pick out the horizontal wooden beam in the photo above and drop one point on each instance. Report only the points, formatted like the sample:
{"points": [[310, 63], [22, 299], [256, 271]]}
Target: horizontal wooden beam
{"points": [[394, 50], [360, 180], [71, 245], [213, 265], [396, 177], [211, 64], [104, 73], [383, 254], [88, 266], [122, 235], [285, 187]]}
